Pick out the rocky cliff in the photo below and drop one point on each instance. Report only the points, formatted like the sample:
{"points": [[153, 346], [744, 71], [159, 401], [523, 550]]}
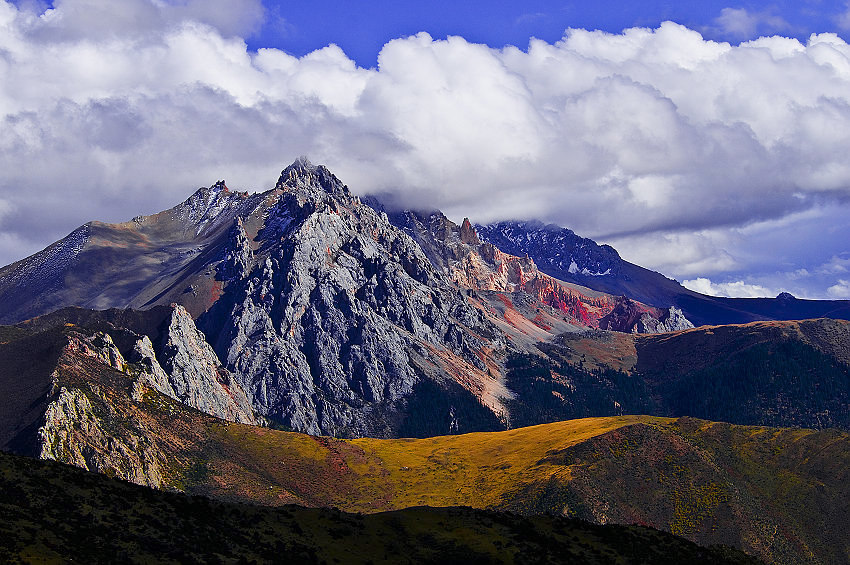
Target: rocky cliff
{"points": [[162, 347], [471, 264], [111, 400], [84, 426], [341, 314]]}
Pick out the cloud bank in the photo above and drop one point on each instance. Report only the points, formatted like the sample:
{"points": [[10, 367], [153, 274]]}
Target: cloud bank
{"points": [[736, 289], [677, 150]]}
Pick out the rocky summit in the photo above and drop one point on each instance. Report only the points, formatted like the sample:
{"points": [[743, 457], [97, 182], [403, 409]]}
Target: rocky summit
{"points": [[331, 316], [482, 266]]}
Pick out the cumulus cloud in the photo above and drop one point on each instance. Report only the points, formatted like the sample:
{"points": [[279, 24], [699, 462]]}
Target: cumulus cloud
{"points": [[836, 265], [735, 289], [656, 140], [840, 290], [86, 20], [686, 253]]}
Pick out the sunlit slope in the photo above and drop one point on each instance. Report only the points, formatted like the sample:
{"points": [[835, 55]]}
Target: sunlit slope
{"points": [[480, 469], [780, 494]]}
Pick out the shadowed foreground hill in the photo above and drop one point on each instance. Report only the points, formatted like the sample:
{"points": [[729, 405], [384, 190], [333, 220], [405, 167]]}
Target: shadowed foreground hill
{"points": [[52, 513]]}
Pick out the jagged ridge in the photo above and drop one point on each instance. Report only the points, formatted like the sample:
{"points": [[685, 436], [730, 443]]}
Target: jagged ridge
{"points": [[340, 314]]}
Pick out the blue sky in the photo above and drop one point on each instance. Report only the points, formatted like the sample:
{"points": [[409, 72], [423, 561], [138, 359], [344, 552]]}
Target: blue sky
{"points": [[361, 28], [704, 140]]}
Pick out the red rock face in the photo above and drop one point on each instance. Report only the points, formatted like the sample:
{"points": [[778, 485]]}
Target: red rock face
{"points": [[467, 233], [486, 267], [625, 315]]}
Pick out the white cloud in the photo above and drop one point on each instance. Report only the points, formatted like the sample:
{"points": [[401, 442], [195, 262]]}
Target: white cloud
{"points": [[740, 23], [735, 289], [5, 208], [86, 20], [737, 22], [840, 290], [657, 141], [683, 254], [836, 265]]}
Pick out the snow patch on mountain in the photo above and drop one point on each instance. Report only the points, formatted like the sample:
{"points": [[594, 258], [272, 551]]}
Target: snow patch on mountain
{"points": [[50, 263]]}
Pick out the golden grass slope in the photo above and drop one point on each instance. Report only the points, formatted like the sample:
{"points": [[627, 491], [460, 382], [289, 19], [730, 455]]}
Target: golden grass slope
{"points": [[368, 475], [780, 494]]}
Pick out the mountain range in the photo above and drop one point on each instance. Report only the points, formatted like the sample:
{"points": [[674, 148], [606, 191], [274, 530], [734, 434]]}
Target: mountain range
{"points": [[337, 317], [193, 349], [562, 254]]}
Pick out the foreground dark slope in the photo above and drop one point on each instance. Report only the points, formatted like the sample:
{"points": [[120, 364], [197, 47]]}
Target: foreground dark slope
{"points": [[51, 512], [562, 254], [779, 494]]}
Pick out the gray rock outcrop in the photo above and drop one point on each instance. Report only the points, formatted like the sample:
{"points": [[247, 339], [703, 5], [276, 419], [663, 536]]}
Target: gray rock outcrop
{"points": [[341, 314], [163, 349], [194, 374], [73, 433], [671, 320]]}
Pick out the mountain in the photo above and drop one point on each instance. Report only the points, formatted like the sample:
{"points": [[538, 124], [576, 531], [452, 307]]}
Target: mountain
{"points": [[481, 266], [151, 260], [46, 517], [708, 482], [564, 255], [329, 317], [340, 323], [333, 317], [304, 308]]}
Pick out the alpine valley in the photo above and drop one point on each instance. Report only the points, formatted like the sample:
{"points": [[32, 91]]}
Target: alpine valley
{"points": [[304, 346]]}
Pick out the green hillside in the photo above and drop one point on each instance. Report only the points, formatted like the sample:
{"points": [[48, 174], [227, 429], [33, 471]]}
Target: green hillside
{"points": [[782, 374]]}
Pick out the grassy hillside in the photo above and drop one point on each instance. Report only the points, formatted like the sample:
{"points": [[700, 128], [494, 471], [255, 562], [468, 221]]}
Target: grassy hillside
{"points": [[55, 513], [780, 494], [784, 374]]}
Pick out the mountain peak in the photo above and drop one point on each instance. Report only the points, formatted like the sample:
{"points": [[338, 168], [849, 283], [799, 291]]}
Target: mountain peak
{"points": [[302, 163], [467, 233], [300, 172], [303, 174]]}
